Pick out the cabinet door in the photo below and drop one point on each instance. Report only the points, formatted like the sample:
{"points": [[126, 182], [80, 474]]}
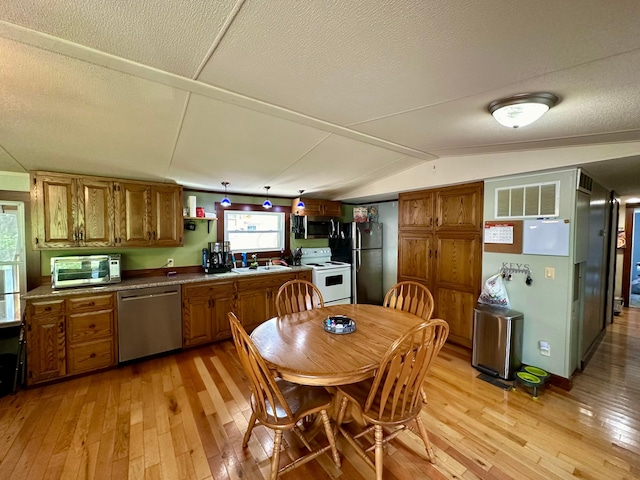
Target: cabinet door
{"points": [[132, 214], [222, 303], [166, 214], [196, 320], [54, 206], [458, 267], [96, 213], [415, 211], [332, 209], [312, 207], [415, 255], [46, 348], [460, 208]]}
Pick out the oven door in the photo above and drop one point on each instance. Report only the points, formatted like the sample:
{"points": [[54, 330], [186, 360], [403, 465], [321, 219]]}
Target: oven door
{"points": [[334, 285]]}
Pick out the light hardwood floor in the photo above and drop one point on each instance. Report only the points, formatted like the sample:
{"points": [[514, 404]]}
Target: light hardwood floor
{"points": [[183, 416]]}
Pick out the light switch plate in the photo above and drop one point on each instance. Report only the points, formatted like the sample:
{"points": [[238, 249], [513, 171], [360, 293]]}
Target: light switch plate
{"points": [[550, 273]]}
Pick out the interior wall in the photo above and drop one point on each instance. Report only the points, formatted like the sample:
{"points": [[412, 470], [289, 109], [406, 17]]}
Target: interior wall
{"points": [[635, 254], [546, 303]]}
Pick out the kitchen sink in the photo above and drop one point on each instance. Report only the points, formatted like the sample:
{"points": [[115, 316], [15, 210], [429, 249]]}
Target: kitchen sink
{"points": [[260, 269]]}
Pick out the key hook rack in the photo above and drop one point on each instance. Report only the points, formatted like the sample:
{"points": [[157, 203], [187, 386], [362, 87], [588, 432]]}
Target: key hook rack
{"points": [[508, 272]]}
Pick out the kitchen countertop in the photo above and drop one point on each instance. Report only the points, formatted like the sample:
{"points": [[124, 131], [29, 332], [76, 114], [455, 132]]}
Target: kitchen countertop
{"points": [[45, 291]]}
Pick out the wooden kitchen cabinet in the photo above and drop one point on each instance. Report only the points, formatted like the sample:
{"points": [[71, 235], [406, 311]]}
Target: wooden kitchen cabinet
{"points": [[204, 312], [148, 215], [91, 338], [256, 298], [70, 336], [440, 246], [46, 345], [72, 211], [316, 207]]}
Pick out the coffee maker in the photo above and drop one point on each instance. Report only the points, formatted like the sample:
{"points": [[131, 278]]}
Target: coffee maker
{"points": [[217, 257]]}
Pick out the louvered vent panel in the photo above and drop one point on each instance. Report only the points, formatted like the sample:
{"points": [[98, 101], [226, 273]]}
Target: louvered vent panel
{"points": [[517, 202], [535, 200], [585, 182], [502, 203]]}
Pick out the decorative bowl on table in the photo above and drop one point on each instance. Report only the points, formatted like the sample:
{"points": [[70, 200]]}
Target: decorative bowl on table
{"points": [[339, 324]]}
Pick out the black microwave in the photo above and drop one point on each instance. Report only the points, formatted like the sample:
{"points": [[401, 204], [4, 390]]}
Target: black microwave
{"points": [[304, 226]]}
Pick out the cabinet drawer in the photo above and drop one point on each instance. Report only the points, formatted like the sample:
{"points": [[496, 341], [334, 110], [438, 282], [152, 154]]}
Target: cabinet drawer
{"points": [[205, 290], [85, 327], [95, 302], [48, 307], [90, 356]]}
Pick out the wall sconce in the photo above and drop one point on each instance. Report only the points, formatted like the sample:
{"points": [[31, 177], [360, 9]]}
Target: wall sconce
{"points": [[225, 202], [522, 109], [300, 204], [267, 204]]}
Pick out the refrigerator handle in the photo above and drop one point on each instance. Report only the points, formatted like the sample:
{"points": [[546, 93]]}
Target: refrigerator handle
{"points": [[358, 260], [358, 239]]}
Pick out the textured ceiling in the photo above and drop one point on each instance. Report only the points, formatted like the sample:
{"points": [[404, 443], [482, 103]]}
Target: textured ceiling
{"points": [[329, 97]]}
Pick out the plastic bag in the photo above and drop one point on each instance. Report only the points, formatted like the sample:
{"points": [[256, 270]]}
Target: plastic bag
{"points": [[494, 292]]}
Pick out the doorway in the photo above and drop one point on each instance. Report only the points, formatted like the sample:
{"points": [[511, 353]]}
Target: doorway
{"points": [[631, 257], [13, 276]]}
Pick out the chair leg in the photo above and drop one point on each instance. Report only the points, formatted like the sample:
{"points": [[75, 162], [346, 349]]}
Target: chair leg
{"points": [[423, 394], [379, 456], [343, 409], [247, 434], [425, 439], [330, 437], [275, 456]]}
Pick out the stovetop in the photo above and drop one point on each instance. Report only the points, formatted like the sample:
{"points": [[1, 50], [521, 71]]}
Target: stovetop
{"points": [[320, 259]]}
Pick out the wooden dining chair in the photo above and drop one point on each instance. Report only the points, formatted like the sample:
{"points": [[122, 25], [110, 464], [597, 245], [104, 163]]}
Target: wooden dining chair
{"points": [[298, 296], [412, 297], [392, 398], [280, 405]]}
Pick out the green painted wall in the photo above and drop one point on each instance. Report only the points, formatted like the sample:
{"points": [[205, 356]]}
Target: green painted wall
{"points": [[546, 304], [14, 182]]}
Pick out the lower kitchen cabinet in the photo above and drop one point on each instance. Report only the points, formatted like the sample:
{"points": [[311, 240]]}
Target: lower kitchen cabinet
{"points": [[70, 336], [204, 312], [256, 300], [46, 344]]}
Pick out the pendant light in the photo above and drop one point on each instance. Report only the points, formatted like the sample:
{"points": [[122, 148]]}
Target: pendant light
{"points": [[225, 202], [267, 204], [522, 109], [300, 204]]}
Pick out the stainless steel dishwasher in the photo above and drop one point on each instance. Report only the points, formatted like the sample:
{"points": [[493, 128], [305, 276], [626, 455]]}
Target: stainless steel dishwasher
{"points": [[149, 321]]}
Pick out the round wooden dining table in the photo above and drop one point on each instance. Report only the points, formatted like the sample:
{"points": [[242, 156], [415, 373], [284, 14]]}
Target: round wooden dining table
{"points": [[298, 348]]}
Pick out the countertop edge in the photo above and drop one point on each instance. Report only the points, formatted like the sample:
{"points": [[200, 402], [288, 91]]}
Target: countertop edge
{"points": [[45, 291]]}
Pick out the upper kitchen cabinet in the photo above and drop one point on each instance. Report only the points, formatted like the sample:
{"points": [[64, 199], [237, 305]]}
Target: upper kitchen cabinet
{"points": [[81, 211], [317, 208], [72, 211], [148, 215], [415, 211], [460, 208]]}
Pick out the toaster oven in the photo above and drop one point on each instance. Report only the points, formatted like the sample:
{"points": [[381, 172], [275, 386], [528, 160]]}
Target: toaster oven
{"points": [[85, 270]]}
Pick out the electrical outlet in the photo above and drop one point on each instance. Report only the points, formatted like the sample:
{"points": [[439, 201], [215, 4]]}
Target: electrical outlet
{"points": [[545, 349], [170, 262]]}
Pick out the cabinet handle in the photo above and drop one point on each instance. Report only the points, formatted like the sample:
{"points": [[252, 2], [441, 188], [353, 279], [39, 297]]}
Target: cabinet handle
{"points": [[154, 235], [93, 355], [75, 235], [47, 309], [92, 325], [429, 253], [149, 235], [91, 304], [81, 235], [61, 327]]}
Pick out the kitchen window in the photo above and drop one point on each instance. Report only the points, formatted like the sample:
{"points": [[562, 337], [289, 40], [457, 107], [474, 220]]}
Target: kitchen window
{"points": [[254, 231], [12, 260]]}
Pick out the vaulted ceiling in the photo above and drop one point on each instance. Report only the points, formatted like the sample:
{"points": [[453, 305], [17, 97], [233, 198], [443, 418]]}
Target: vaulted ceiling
{"points": [[325, 96]]}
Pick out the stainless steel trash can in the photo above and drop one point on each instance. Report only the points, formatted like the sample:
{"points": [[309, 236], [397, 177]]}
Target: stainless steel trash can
{"points": [[497, 341]]}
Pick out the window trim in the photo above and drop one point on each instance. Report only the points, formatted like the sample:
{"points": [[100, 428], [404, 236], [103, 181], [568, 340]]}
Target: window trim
{"points": [[249, 207]]}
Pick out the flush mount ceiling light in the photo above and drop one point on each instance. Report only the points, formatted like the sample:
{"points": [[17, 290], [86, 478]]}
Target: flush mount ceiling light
{"points": [[225, 202], [522, 109], [267, 204], [300, 204]]}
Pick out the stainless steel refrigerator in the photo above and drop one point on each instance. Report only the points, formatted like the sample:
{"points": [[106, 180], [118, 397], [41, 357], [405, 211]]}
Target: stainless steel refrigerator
{"points": [[361, 245]]}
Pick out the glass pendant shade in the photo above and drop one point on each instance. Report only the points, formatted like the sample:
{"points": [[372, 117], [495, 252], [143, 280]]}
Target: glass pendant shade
{"points": [[523, 109], [225, 202], [267, 203], [300, 203]]}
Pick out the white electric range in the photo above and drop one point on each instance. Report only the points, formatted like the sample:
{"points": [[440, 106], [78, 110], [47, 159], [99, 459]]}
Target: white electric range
{"points": [[332, 278]]}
